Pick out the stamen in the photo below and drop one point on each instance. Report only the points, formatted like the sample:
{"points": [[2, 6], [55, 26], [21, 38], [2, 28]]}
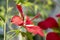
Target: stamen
{"points": [[36, 16]]}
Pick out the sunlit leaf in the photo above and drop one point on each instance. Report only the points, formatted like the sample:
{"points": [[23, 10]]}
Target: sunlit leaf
{"points": [[20, 1], [3, 18], [27, 4], [56, 30], [10, 8], [49, 2], [59, 21], [2, 12], [36, 8], [29, 36], [1, 23]]}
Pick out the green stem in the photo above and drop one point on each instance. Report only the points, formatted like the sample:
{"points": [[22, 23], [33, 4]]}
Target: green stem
{"points": [[5, 20]]}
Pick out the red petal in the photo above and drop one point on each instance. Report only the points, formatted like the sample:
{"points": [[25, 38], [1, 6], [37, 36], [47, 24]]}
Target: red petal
{"points": [[17, 20], [35, 30], [28, 21], [52, 36], [51, 22], [43, 25], [48, 23], [19, 7]]}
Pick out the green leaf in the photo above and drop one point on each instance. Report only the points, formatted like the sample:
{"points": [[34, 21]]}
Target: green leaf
{"points": [[19, 1], [2, 18], [56, 30], [29, 36], [1, 36], [28, 4], [1, 23], [59, 22], [44, 15], [9, 9], [2, 12], [36, 8]]}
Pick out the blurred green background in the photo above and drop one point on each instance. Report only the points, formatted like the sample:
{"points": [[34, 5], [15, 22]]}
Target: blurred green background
{"points": [[30, 7]]}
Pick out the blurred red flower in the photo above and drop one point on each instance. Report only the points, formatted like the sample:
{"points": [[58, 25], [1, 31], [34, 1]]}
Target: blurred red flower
{"points": [[22, 21], [51, 22], [43, 25], [52, 36], [48, 23]]}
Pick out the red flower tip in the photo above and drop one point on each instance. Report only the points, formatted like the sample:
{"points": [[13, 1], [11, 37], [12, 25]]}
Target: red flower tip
{"points": [[36, 16], [17, 20], [52, 36], [35, 30], [19, 7], [58, 15]]}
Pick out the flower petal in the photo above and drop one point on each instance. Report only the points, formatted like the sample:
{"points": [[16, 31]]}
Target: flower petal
{"points": [[17, 20], [19, 7], [43, 25], [48, 23], [35, 30], [51, 22], [28, 21]]}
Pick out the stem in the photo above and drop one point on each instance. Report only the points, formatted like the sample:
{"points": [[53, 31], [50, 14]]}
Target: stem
{"points": [[4, 31], [5, 20]]}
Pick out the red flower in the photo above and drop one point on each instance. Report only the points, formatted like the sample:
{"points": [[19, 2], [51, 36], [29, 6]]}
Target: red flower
{"points": [[17, 20], [48, 23], [58, 15], [21, 21], [34, 29], [52, 36]]}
